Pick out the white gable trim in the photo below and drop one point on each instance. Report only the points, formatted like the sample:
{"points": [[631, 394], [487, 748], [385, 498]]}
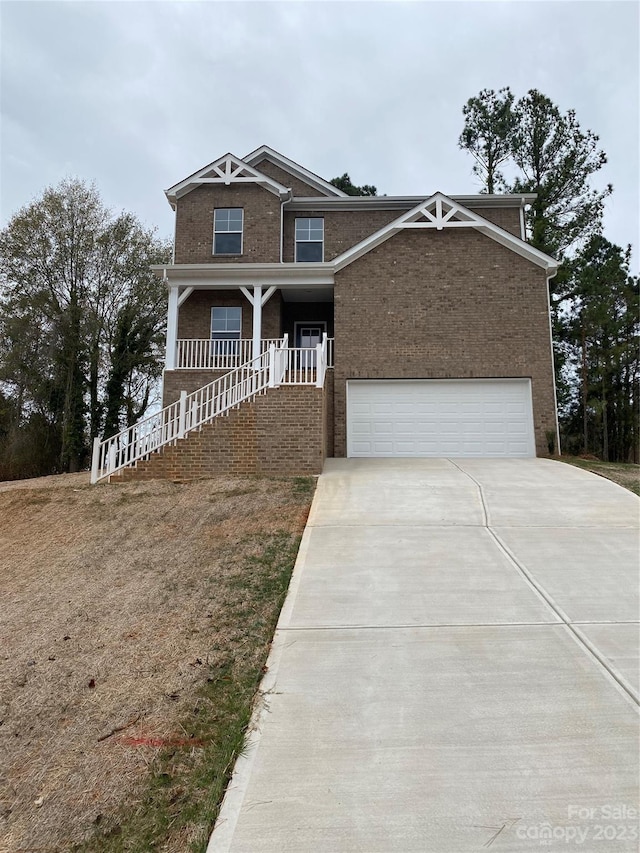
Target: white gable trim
{"points": [[294, 169], [438, 212], [227, 170]]}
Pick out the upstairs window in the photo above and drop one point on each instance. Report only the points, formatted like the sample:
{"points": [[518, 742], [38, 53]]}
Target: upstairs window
{"points": [[227, 231], [309, 240]]}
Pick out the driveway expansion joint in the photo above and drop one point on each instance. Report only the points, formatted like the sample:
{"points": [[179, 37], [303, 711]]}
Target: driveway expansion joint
{"points": [[589, 648]]}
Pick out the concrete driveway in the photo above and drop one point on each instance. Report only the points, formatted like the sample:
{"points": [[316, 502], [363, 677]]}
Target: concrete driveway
{"points": [[455, 668]]}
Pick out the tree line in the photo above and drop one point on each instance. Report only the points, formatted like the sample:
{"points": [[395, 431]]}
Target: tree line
{"points": [[530, 146], [81, 328], [82, 316]]}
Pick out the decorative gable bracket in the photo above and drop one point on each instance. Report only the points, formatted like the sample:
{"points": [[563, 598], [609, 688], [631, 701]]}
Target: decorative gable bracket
{"points": [[228, 170], [440, 212]]}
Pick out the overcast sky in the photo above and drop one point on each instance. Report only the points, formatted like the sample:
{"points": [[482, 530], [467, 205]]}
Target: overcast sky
{"points": [[137, 95]]}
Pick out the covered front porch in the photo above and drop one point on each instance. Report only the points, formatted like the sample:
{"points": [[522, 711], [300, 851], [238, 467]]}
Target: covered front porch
{"points": [[220, 318]]}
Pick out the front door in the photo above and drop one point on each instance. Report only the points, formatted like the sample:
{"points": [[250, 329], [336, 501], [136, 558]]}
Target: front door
{"points": [[308, 336]]}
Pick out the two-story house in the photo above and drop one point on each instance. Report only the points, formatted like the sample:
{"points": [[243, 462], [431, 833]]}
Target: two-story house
{"points": [[305, 323]]}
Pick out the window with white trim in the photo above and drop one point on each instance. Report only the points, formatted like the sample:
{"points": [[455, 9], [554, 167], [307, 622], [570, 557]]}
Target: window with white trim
{"points": [[309, 240], [226, 329], [227, 230]]}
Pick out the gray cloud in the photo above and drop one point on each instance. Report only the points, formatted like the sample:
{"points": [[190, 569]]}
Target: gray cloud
{"points": [[137, 95]]}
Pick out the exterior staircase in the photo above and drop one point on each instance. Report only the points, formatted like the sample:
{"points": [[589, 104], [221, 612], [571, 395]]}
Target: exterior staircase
{"points": [[278, 366]]}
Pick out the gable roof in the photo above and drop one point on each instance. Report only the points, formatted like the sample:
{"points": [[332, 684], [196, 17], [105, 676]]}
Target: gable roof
{"points": [[227, 170], [440, 211], [294, 169]]}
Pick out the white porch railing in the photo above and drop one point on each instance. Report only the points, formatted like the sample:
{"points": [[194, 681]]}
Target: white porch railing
{"points": [[207, 354], [279, 365]]}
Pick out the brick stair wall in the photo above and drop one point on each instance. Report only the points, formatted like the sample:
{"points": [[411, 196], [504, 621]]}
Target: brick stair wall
{"points": [[281, 432]]}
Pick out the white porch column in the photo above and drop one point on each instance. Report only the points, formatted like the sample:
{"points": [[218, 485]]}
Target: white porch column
{"points": [[257, 319], [257, 300], [172, 329]]}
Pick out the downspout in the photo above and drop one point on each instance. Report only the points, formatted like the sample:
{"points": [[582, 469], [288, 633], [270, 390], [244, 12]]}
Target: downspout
{"points": [[283, 201], [553, 363], [281, 229], [174, 207], [523, 230]]}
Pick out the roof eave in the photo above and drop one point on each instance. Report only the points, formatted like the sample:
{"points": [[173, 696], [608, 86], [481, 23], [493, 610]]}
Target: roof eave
{"points": [[280, 275], [512, 200], [296, 170], [500, 235]]}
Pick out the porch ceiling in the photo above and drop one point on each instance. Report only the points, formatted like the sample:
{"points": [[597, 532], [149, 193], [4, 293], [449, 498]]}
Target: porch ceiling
{"points": [[308, 294]]}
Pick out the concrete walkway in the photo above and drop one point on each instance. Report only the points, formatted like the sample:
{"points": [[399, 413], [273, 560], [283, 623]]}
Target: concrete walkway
{"points": [[455, 668]]}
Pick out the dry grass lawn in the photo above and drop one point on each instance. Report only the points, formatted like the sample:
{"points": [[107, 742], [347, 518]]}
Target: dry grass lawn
{"points": [[623, 473], [129, 614]]}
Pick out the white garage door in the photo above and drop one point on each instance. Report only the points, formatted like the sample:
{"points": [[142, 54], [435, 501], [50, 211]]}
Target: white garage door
{"points": [[440, 417]]}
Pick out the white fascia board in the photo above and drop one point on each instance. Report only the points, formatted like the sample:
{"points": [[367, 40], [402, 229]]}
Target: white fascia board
{"points": [[235, 275], [495, 199], [205, 176], [295, 169], [234, 283], [362, 202], [474, 220], [519, 246]]}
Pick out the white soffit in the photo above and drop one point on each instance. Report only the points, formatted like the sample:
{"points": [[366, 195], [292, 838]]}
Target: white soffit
{"points": [[208, 276], [227, 170], [439, 212], [294, 169]]}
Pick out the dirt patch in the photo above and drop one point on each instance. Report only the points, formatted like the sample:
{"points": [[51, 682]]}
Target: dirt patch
{"points": [[118, 603]]}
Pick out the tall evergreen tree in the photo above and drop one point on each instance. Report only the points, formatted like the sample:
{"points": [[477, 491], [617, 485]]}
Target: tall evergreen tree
{"points": [[489, 125], [557, 159], [593, 297], [603, 327], [344, 183]]}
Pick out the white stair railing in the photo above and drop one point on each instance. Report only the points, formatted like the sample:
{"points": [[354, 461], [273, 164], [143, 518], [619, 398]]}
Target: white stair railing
{"points": [[279, 365], [305, 365], [176, 420]]}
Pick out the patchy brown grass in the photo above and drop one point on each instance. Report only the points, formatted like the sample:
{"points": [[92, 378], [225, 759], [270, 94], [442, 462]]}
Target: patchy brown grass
{"points": [[134, 626], [624, 473]]}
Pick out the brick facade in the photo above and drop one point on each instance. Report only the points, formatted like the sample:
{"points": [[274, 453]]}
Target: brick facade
{"points": [[194, 224], [175, 381], [505, 217], [281, 432], [448, 304], [298, 187], [342, 229], [194, 317], [345, 228]]}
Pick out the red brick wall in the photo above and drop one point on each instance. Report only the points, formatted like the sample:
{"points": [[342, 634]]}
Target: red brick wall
{"points": [[194, 224], [345, 228], [506, 217], [329, 427], [280, 432], [298, 187], [175, 381], [194, 316], [342, 229], [442, 305]]}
